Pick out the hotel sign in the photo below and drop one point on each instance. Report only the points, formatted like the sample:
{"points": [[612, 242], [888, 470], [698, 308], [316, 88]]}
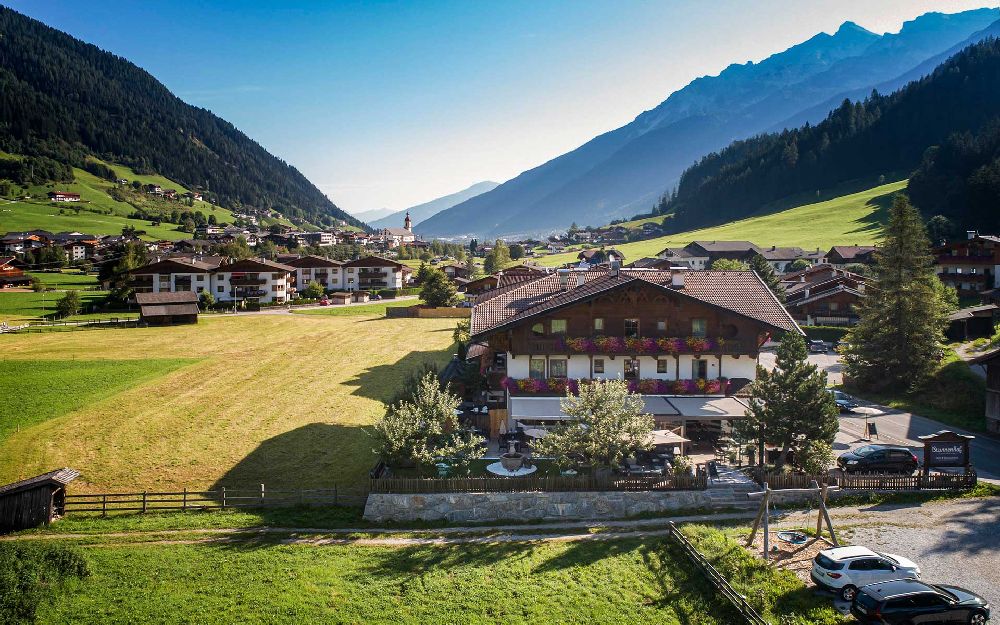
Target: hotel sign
{"points": [[946, 449]]}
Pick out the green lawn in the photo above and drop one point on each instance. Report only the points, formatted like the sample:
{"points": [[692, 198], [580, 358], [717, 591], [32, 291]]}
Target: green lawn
{"points": [[66, 279], [34, 391], [277, 399], [360, 310], [20, 306], [30, 215], [851, 219], [620, 580]]}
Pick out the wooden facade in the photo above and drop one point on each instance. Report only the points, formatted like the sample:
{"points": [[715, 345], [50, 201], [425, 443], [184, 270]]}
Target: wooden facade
{"points": [[991, 362], [638, 311], [34, 501]]}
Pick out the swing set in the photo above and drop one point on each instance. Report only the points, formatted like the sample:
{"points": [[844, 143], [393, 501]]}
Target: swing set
{"points": [[764, 512]]}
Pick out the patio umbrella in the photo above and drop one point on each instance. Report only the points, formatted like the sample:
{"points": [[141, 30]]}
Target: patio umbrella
{"points": [[667, 437], [536, 433], [503, 428], [871, 412]]}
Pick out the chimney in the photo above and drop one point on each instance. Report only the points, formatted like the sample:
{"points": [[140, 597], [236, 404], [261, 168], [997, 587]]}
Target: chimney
{"points": [[563, 279], [774, 248], [579, 278], [677, 279], [972, 234], [615, 266]]}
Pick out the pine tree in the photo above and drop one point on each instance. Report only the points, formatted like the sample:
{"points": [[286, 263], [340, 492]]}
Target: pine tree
{"points": [[438, 290], [902, 315], [766, 272], [790, 405]]}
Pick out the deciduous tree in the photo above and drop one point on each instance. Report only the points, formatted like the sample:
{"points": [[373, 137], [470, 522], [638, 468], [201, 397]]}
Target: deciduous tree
{"points": [[438, 290], [69, 304], [498, 259]]}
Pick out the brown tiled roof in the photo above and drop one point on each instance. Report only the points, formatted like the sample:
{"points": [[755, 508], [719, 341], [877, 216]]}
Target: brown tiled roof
{"points": [[373, 261], [175, 265], [255, 264], [742, 292], [848, 252], [311, 261]]}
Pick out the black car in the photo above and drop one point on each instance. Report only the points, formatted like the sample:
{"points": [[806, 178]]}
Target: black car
{"points": [[879, 459], [914, 602], [818, 347]]}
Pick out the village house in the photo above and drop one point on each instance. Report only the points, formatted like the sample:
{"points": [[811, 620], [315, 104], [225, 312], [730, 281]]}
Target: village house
{"points": [[175, 274], [320, 239], [63, 196], [742, 251], [842, 255], [681, 257], [991, 362], [685, 340], [326, 272], [823, 295], [781, 258], [971, 265], [374, 272], [12, 273], [455, 270]]}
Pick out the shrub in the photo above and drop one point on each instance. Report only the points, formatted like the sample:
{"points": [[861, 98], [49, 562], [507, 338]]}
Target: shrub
{"points": [[70, 304]]}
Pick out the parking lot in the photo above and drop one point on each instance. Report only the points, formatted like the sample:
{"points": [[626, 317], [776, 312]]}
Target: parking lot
{"points": [[954, 542]]}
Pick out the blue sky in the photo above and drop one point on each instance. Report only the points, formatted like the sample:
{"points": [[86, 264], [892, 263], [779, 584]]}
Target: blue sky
{"points": [[389, 104]]}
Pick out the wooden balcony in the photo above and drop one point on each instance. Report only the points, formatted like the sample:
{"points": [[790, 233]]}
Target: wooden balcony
{"points": [[645, 346]]}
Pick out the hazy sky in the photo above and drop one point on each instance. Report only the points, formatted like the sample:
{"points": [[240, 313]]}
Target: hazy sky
{"points": [[389, 104]]}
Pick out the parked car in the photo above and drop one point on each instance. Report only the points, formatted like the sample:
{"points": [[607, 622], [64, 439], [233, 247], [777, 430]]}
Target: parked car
{"points": [[879, 459], [324, 301], [845, 569], [905, 601], [844, 401], [818, 347]]}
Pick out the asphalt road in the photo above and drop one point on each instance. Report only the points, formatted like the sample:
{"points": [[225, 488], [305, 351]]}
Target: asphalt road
{"points": [[896, 427]]}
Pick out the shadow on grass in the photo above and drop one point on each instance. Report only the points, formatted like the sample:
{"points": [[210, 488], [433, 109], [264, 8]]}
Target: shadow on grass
{"points": [[586, 552], [383, 382], [406, 562], [874, 221]]}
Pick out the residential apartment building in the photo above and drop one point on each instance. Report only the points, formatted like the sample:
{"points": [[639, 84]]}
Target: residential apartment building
{"points": [[685, 340], [249, 280], [374, 272], [327, 272], [971, 265]]}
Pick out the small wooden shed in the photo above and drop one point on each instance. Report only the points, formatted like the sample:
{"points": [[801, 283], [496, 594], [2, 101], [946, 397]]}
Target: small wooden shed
{"points": [[340, 298], [168, 308], [34, 501]]}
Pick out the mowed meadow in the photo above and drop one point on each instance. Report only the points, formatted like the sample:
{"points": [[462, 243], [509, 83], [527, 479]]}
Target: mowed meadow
{"points": [[233, 401]]}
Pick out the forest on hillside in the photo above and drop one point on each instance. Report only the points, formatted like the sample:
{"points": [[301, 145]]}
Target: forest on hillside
{"points": [[63, 99], [945, 126]]}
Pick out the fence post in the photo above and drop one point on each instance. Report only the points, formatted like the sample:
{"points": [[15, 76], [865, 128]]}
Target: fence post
{"points": [[104, 505], [144, 502], [261, 493], [223, 497], [184, 504]]}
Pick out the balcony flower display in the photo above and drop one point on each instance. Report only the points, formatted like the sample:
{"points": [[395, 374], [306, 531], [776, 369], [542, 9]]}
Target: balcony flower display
{"points": [[581, 345], [646, 386], [602, 344], [609, 344], [697, 345]]}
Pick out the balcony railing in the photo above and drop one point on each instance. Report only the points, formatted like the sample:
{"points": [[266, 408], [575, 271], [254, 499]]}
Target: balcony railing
{"points": [[247, 281], [636, 346], [646, 386], [947, 259]]}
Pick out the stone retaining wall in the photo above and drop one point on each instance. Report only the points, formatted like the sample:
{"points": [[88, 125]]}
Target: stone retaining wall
{"points": [[481, 507]]}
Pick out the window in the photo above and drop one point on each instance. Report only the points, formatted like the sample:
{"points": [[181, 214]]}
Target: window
{"points": [[864, 564], [661, 366], [661, 326], [699, 328], [598, 365], [558, 326], [699, 369], [538, 330], [632, 328], [222, 289], [536, 368], [557, 368], [599, 324], [631, 368], [833, 306]]}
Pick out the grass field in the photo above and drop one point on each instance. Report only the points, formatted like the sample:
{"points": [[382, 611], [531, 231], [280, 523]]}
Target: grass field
{"points": [[278, 399], [629, 580], [374, 308], [851, 219], [66, 279], [20, 306]]}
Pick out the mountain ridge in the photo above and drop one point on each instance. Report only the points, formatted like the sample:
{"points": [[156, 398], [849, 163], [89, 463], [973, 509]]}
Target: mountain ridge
{"points": [[426, 210]]}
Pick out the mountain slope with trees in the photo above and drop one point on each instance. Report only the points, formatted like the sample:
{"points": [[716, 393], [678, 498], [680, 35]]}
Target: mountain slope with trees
{"points": [[622, 172], [63, 99], [884, 135]]}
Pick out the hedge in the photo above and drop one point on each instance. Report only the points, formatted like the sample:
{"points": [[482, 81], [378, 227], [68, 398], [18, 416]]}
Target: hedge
{"points": [[830, 334]]}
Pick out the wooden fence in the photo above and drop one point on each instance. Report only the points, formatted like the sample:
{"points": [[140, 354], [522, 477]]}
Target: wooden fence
{"points": [[89, 324], [221, 499], [720, 583], [871, 481], [407, 485]]}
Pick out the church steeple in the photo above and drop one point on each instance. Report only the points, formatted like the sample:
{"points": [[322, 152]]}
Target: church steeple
{"points": [[407, 223]]}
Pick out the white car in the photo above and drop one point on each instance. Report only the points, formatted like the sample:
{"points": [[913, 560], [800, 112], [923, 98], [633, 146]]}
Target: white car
{"points": [[845, 569]]}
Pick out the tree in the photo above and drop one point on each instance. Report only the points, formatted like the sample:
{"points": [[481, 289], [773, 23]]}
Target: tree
{"points": [[313, 290], [728, 264], [516, 251], [36, 284], [939, 229], [815, 457], [473, 246], [790, 405], [423, 272], [69, 304], [133, 256], [799, 265], [608, 424], [859, 268], [424, 429], [902, 316], [206, 299], [766, 272], [498, 259], [475, 270], [438, 290], [267, 249]]}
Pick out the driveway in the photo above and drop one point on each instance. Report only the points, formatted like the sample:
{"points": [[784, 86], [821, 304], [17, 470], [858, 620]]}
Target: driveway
{"points": [[896, 427], [953, 542]]}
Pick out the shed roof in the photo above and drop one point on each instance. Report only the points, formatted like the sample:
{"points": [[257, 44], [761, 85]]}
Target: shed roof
{"points": [[177, 297], [59, 476]]}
